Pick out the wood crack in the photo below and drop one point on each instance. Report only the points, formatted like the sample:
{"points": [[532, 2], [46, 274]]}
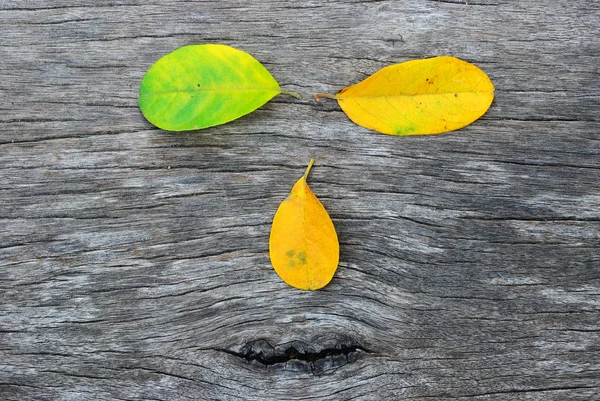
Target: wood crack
{"points": [[316, 361]]}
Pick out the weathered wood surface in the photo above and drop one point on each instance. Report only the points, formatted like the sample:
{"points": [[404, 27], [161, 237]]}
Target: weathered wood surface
{"points": [[134, 262]]}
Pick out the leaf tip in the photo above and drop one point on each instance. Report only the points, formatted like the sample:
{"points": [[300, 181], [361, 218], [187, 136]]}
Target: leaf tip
{"points": [[318, 96], [292, 94], [310, 164]]}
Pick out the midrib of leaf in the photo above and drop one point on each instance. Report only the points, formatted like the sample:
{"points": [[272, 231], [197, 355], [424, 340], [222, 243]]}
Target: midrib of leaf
{"points": [[304, 187], [211, 90], [403, 95]]}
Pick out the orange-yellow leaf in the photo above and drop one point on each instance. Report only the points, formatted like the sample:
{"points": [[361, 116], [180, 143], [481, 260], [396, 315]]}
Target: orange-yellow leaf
{"points": [[418, 97], [303, 247]]}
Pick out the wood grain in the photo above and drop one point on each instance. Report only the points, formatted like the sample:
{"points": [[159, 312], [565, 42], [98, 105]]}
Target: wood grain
{"points": [[134, 262]]}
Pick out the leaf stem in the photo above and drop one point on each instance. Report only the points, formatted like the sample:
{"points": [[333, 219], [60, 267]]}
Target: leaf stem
{"points": [[318, 96], [293, 94], [310, 164]]}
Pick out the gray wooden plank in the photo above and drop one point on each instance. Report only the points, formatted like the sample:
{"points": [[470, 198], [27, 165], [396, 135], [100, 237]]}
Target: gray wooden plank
{"points": [[134, 262]]}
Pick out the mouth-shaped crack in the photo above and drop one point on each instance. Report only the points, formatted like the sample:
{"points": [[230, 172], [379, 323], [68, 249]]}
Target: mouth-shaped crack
{"points": [[299, 356]]}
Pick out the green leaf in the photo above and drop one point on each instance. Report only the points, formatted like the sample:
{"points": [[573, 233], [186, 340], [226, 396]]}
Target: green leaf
{"points": [[201, 86]]}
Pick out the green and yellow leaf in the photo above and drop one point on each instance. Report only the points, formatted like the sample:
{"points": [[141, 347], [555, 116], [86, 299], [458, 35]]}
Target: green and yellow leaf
{"points": [[201, 86]]}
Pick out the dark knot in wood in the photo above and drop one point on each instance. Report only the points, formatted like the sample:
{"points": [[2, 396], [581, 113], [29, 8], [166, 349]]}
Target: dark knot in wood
{"points": [[299, 355]]}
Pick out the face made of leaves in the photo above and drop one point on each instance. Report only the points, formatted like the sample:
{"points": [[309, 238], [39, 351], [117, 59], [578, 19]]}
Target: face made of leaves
{"points": [[303, 245], [201, 86], [418, 97]]}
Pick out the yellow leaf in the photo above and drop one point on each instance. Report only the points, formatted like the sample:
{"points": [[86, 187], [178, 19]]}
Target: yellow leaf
{"points": [[303, 247], [418, 97]]}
